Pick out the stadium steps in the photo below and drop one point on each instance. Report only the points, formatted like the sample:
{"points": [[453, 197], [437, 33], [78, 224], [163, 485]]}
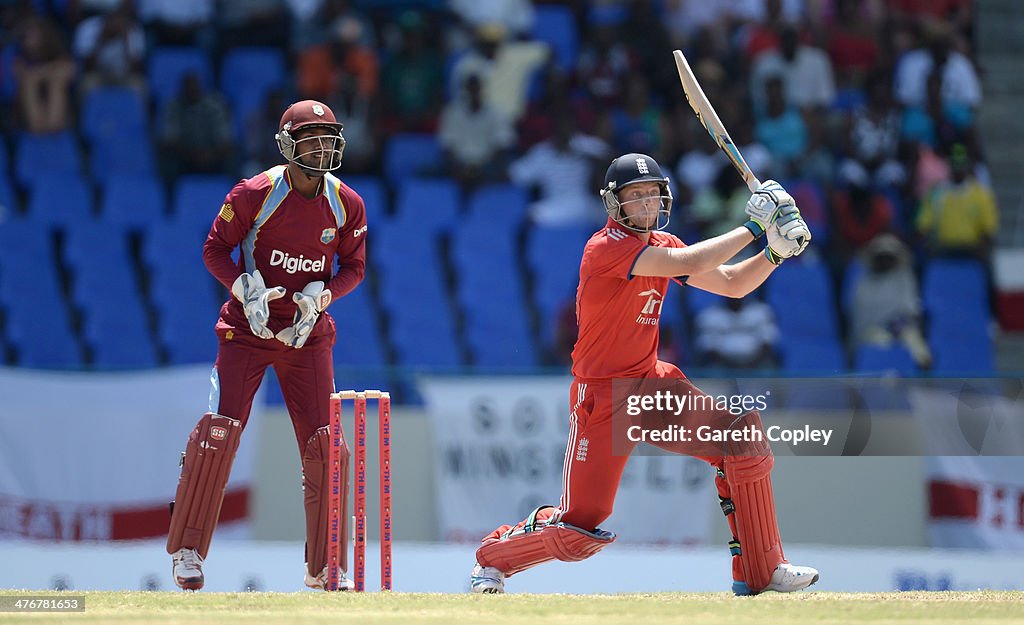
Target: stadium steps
{"points": [[998, 27]]}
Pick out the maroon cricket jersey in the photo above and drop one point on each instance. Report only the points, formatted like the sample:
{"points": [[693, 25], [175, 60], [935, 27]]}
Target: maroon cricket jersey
{"points": [[292, 240]]}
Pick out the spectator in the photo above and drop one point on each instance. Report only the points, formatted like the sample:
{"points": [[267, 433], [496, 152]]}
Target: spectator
{"points": [[604, 63], [766, 19], [111, 49], [252, 23], [873, 137], [506, 67], [806, 72], [638, 125], [474, 136], [959, 218], [861, 214], [563, 169], [44, 70], [886, 308], [261, 149], [938, 122], [781, 128], [716, 208], [179, 23], [737, 334], [853, 44], [515, 16], [321, 67], [195, 135], [413, 79], [959, 82], [556, 99], [356, 110]]}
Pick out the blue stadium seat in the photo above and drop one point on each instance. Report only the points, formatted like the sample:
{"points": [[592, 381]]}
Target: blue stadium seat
{"points": [[8, 198], [896, 358], [553, 255], [411, 154], [430, 205], [198, 198], [128, 154], [502, 205], [101, 265], [556, 26], [175, 249], [169, 64], [46, 156], [134, 201], [812, 356], [851, 276], [110, 112], [374, 195], [360, 342], [697, 300], [247, 75], [965, 350], [119, 336], [186, 332], [62, 203], [42, 337], [422, 334], [801, 295], [955, 289], [491, 294]]}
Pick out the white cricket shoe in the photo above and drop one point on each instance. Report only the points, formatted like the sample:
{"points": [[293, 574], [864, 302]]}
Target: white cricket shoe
{"points": [[791, 578], [320, 581], [487, 580], [188, 569]]}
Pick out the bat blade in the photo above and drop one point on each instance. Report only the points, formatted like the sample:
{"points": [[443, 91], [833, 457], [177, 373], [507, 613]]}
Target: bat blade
{"points": [[709, 119]]}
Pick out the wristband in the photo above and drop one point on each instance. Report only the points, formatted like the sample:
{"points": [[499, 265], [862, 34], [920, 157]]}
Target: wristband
{"points": [[772, 257], [755, 229]]}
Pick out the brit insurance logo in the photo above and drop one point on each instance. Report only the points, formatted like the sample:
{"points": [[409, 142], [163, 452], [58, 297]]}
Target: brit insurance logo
{"points": [[651, 311]]}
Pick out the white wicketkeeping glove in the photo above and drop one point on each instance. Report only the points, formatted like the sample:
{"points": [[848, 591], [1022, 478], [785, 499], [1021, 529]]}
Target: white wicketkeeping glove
{"points": [[764, 205], [788, 236], [310, 302], [256, 298]]}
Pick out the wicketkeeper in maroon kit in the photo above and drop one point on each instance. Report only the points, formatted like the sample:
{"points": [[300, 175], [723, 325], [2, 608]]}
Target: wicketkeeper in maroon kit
{"points": [[290, 223]]}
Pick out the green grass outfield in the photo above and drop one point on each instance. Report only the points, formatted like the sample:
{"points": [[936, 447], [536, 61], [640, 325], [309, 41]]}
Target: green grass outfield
{"points": [[973, 608]]}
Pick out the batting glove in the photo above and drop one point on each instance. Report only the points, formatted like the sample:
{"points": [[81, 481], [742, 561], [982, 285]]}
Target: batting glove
{"points": [[310, 302], [788, 236], [256, 298], [764, 205]]}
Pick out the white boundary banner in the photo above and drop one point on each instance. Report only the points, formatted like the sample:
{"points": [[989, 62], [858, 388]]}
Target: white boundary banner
{"points": [[499, 451], [94, 456]]}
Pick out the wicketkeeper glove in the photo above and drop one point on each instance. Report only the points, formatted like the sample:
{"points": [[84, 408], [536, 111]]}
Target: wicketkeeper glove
{"points": [[256, 298], [764, 205], [310, 302]]}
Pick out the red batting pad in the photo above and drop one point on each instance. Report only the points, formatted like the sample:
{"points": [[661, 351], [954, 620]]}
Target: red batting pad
{"points": [[204, 475], [532, 541], [751, 483], [316, 481]]}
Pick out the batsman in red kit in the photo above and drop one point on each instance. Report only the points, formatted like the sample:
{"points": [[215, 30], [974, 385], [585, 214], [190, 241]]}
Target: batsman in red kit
{"points": [[292, 224], [624, 276]]}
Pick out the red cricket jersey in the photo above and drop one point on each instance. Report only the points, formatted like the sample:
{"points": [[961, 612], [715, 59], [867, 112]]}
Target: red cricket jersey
{"points": [[292, 240], [618, 313]]}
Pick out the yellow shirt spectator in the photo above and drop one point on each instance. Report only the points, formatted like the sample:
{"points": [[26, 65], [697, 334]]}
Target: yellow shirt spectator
{"points": [[959, 216]]}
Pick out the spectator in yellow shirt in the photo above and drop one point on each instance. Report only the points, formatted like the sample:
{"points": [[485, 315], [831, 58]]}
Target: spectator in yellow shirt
{"points": [[959, 218]]}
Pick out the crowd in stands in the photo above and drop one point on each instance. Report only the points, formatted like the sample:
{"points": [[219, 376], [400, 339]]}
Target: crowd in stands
{"points": [[866, 110]]}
